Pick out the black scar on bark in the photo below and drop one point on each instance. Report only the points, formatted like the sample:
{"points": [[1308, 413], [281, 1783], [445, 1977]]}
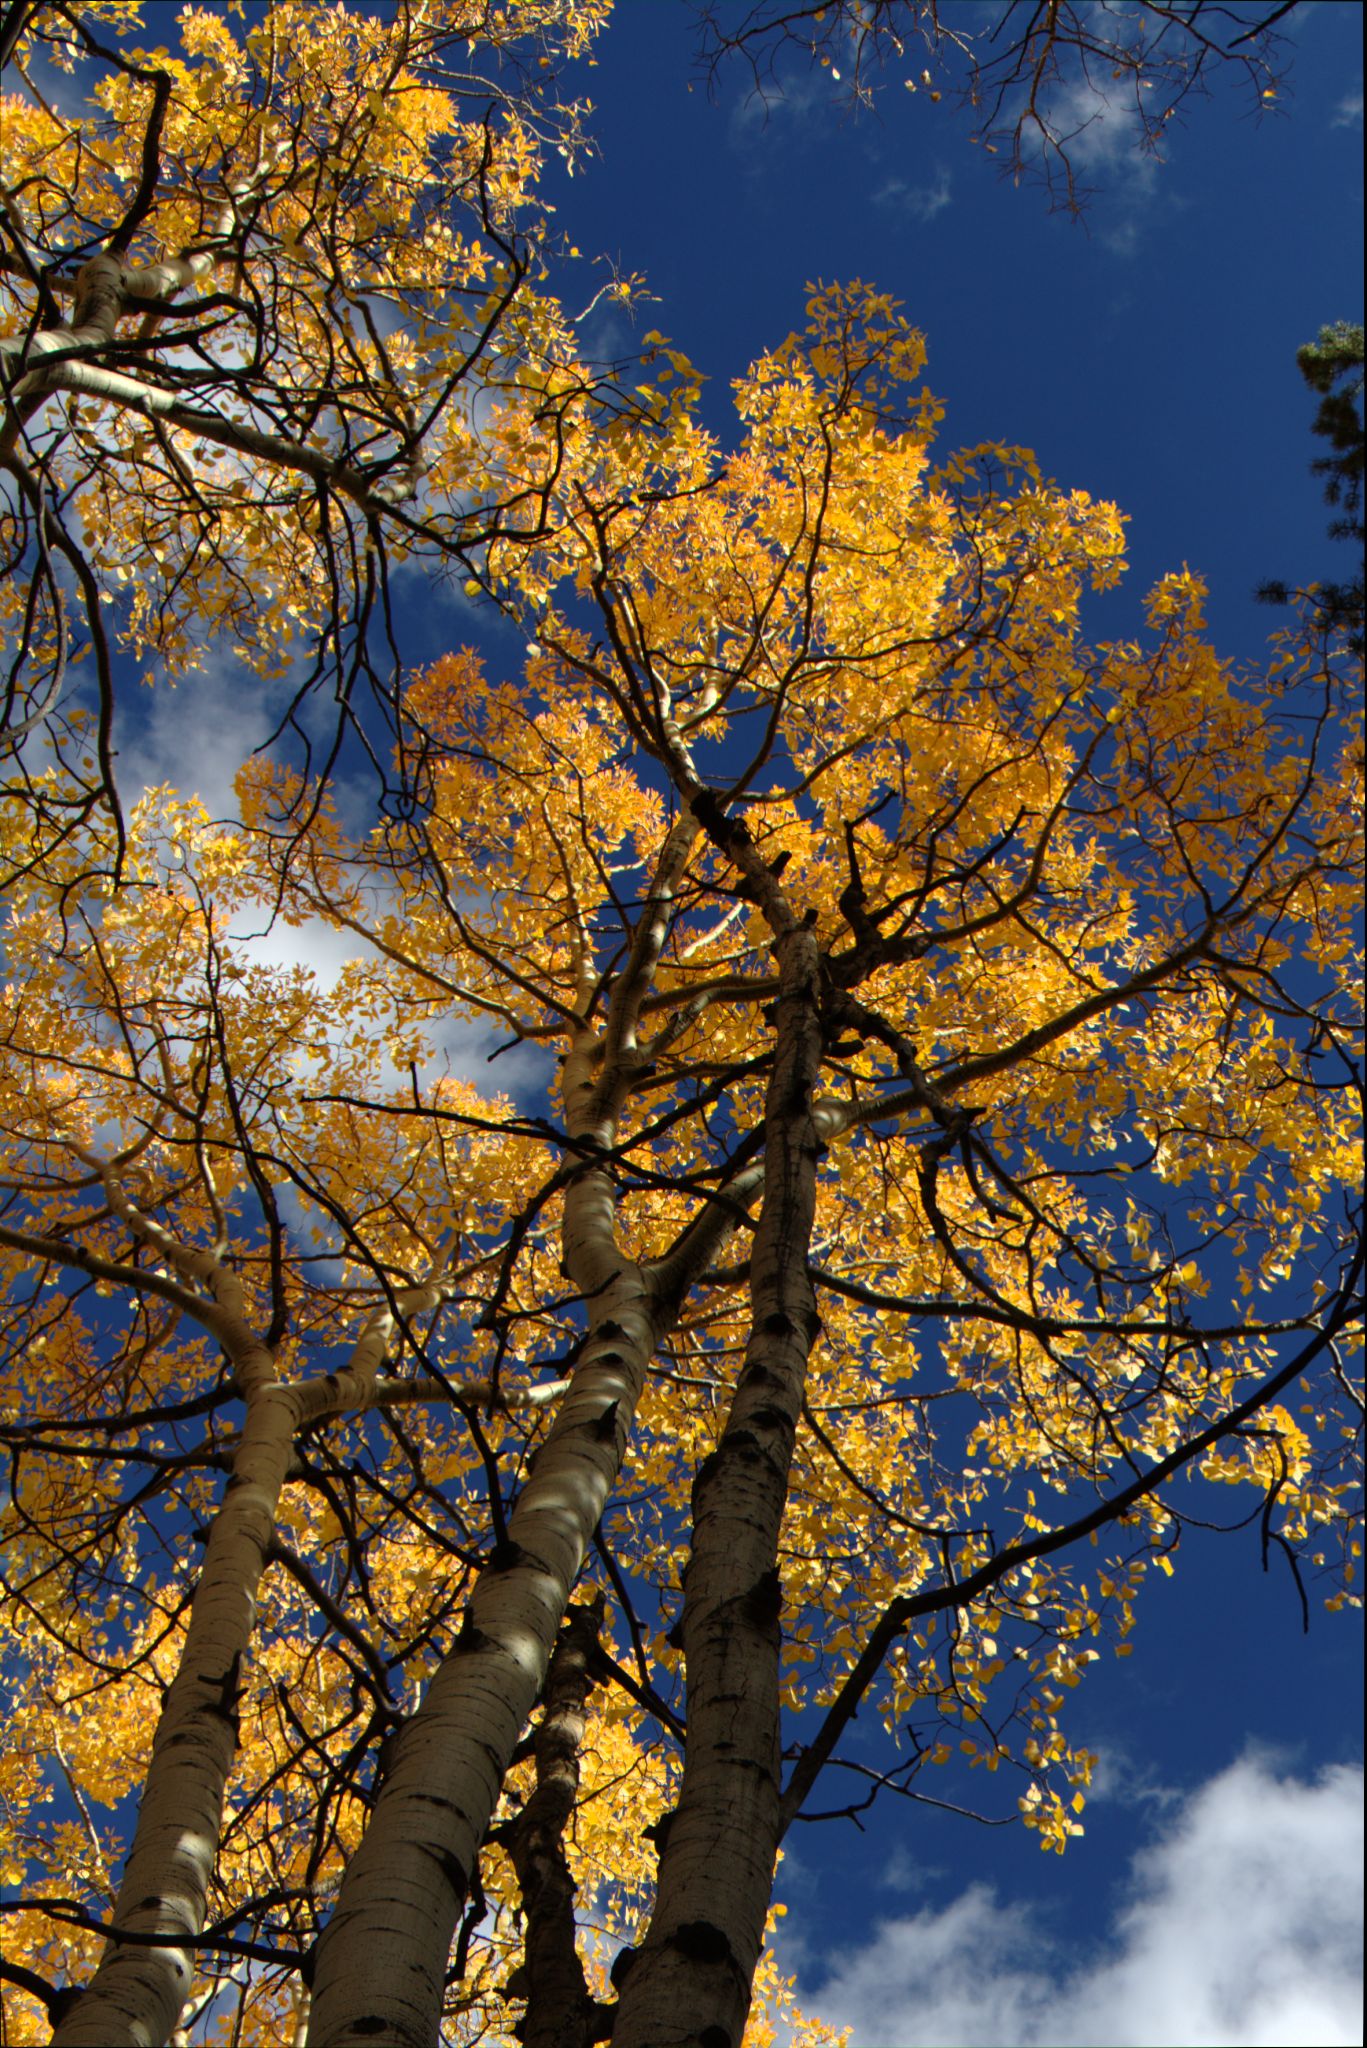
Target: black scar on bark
{"points": [[505, 1557], [741, 1443], [604, 1426], [714, 820], [452, 1869], [387, 1755], [228, 1688], [714, 2037], [622, 1965], [658, 1831], [472, 1638], [759, 1374], [763, 1604], [155, 1902], [698, 1941], [370, 2023]]}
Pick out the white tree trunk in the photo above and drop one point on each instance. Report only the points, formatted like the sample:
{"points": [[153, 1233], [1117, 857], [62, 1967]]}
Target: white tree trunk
{"points": [[689, 1984], [379, 1973], [380, 1966], [136, 1995]]}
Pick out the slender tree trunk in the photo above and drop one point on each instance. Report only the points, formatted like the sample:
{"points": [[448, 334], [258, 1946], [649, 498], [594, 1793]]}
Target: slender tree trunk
{"points": [[136, 1995], [380, 1964], [689, 1984], [559, 2003]]}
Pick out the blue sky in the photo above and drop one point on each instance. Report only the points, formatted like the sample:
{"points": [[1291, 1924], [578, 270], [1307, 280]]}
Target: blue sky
{"points": [[1147, 357]]}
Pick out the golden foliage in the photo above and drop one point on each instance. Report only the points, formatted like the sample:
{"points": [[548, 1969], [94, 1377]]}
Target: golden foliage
{"points": [[1085, 923]]}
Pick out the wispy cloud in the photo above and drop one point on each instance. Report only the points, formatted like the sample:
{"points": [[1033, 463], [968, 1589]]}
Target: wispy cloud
{"points": [[465, 1048], [196, 735], [1240, 1927], [793, 99], [1102, 139], [1120, 1779], [1097, 132], [195, 738], [922, 202], [1348, 112]]}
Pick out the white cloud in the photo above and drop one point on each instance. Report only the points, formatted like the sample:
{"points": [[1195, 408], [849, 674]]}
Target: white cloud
{"points": [[1098, 133], [460, 1046], [1348, 112], [1102, 140], [796, 97], [922, 201], [1125, 1780], [1240, 1928], [196, 735]]}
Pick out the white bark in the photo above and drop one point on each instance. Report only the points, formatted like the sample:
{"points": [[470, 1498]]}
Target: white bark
{"points": [[380, 1966], [689, 1984], [381, 1962], [138, 1992], [109, 289]]}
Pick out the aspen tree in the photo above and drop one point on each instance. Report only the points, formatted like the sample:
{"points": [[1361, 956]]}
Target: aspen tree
{"points": [[931, 1139], [897, 954], [270, 327], [895, 944]]}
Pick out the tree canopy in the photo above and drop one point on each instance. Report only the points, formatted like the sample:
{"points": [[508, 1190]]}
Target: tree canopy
{"points": [[272, 327], [450, 1534]]}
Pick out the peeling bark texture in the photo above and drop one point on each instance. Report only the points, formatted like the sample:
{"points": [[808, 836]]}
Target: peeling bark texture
{"points": [[559, 2004], [689, 1986]]}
